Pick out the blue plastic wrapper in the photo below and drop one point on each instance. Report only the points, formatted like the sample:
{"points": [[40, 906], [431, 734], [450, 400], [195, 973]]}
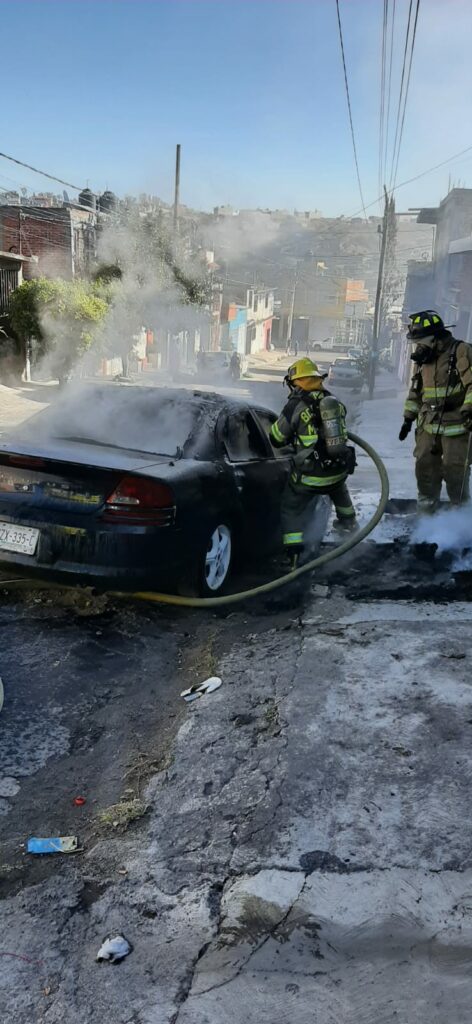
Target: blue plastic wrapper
{"points": [[54, 844]]}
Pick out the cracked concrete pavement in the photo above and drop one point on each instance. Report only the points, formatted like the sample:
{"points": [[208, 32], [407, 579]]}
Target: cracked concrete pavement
{"points": [[306, 855]]}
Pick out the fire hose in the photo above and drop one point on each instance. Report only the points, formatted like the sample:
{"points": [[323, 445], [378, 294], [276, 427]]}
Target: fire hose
{"points": [[282, 581]]}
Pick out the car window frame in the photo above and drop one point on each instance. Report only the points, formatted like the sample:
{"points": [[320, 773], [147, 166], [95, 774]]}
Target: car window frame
{"points": [[222, 425], [283, 452]]}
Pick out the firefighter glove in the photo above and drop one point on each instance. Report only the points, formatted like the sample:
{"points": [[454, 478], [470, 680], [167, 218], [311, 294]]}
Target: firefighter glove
{"points": [[405, 429]]}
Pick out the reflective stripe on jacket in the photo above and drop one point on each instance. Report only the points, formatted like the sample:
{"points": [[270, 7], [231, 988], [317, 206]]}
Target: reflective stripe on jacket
{"points": [[429, 391], [299, 426]]}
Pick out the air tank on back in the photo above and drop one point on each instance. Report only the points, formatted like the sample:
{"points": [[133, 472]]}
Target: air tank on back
{"points": [[333, 427]]}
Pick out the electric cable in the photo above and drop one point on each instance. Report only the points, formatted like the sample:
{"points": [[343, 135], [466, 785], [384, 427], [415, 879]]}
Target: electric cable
{"points": [[400, 95], [52, 177], [416, 177], [382, 92], [400, 138], [346, 83], [389, 95]]}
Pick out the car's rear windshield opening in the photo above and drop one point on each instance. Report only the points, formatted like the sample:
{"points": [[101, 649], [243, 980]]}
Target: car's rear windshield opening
{"points": [[139, 419]]}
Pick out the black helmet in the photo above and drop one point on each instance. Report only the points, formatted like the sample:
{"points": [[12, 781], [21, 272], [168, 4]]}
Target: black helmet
{"points": [[425, 324]]}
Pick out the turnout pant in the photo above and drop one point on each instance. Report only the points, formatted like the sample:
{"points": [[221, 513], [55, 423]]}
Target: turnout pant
{"points": [[448, 465], [298, 510]]}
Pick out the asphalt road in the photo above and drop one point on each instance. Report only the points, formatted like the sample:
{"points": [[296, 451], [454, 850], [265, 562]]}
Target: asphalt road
{"points": [[303, 843], [93, 709]]}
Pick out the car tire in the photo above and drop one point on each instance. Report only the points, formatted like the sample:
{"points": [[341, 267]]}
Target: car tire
{"points": [[212, 567]]}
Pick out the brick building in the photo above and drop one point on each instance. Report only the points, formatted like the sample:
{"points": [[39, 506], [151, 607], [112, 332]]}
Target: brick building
{"points": [[63, 238]]}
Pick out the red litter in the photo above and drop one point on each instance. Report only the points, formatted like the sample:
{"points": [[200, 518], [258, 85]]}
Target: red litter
{"points": [[79, 801]]}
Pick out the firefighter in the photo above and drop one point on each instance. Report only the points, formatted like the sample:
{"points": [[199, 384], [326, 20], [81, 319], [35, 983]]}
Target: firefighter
{"points": [[313, 423], [440, 401]]}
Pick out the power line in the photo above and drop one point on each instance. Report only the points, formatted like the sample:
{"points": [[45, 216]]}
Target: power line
{"points": [[382, 92], [349, 106], [392, 38], [21, 163], [416, 177], [400, 95], [407, 89]]}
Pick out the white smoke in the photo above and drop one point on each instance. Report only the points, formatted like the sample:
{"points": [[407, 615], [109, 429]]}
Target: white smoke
{"points": [[234, 238], [132, 418], [152, 292], [451, 531]]}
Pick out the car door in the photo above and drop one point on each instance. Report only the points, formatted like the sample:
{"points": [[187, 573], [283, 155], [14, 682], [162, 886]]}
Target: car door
{"points": [[279, 459], [259, 478]]}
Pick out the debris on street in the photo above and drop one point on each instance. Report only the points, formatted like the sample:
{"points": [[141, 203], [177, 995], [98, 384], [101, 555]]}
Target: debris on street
{"points": [[79, 801], [123, 814], [114, 949], [21, 956], [55, 844], [208, 686]]}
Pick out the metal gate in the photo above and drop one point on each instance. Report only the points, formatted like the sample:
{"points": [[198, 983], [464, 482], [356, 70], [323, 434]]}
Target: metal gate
{"points": [[8, 283]]}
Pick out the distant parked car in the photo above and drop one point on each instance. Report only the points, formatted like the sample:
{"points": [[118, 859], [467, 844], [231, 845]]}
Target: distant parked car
{"points": [[214, 367], [346, 373]]}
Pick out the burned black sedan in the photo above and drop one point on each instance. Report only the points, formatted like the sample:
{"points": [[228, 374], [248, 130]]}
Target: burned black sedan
{"points": [[126, 487]]}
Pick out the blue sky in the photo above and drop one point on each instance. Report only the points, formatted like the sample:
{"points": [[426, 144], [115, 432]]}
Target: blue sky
{"points": [[252, 89]]}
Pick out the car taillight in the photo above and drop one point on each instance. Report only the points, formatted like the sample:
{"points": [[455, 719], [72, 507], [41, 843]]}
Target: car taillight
{"points": [[138, 500]]}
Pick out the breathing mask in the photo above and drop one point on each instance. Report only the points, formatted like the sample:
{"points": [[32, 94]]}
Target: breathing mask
{"points": [[425, 329], [425, 351]]}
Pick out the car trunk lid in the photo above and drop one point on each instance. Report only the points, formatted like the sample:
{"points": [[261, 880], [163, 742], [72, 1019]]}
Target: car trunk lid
{"points": [[76, 477]]}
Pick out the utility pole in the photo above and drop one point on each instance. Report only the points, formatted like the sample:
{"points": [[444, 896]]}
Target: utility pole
{"points": [[378, 301], [292, 306], [177, 191]]}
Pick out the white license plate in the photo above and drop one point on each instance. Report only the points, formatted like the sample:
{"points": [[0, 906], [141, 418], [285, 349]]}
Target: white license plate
{"points": [[21, 539]]}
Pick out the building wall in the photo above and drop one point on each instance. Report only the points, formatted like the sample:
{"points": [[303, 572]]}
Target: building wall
{"points": [[260, 311], [62, 238], [233, 328], [253, 309], [420, 292], [460, 291], [453, 220], [42, 233]]}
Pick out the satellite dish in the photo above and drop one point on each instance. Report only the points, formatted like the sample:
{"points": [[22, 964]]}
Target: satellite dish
{"points": [[65, 197]]}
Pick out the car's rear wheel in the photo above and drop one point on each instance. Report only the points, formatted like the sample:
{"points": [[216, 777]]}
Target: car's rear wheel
{"points": [[213, 565], [217, 559]]}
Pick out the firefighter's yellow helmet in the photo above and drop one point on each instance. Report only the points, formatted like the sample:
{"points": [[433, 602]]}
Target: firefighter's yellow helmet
{"points": [[303, 368]]}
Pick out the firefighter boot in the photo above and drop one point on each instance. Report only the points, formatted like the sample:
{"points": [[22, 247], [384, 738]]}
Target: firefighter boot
{"points": [[345, 525]]}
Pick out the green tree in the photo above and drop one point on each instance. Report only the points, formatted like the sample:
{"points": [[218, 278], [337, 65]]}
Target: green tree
{"points": [[29, 304], [62, 317]]}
